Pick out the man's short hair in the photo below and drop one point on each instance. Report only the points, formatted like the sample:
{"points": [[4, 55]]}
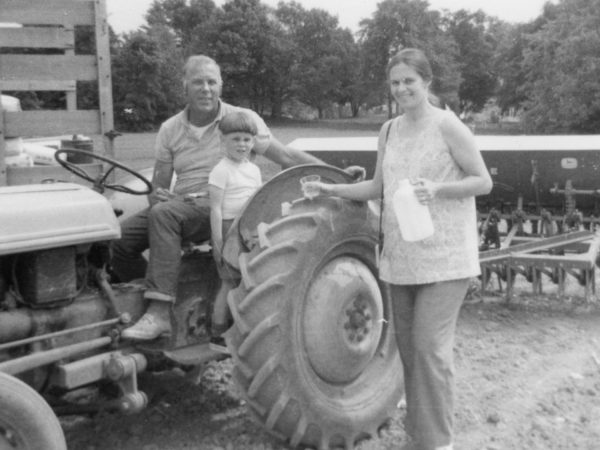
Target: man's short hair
{"points": [[238, 122], [199, 60]]}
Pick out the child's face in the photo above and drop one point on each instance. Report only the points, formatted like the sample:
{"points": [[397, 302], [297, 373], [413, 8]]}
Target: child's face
{"points": [[237, 145]]}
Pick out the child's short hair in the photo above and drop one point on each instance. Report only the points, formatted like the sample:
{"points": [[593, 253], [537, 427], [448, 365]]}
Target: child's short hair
{"points": [[237, 122]]}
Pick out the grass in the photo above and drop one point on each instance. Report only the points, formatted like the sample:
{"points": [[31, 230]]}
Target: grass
{"points": [[136, 150]]}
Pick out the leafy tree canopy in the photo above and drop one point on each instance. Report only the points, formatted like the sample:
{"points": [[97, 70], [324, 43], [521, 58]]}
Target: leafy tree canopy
{"points": [[273, 56], [561, 62]]}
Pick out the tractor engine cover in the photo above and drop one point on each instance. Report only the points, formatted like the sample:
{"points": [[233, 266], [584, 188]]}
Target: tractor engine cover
{"points": [[49, 216]]}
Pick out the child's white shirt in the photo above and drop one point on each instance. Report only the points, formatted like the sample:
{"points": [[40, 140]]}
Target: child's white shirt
{"points": [[239, 181]]}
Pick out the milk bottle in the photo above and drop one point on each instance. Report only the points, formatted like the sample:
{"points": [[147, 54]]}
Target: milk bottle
{"points": [[413, 217]]}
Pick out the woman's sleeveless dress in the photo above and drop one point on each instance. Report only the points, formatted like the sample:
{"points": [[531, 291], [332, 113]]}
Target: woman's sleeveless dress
{"points": [[452, 252]]}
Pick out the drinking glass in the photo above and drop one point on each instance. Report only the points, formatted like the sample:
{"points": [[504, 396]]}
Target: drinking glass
{"points": [[310, 192]]}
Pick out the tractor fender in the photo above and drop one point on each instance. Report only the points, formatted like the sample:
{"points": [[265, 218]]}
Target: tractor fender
{"points": [[266, 205]]}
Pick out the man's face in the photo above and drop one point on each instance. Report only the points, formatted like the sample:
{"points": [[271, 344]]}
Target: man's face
{"points": [[203, 87]]}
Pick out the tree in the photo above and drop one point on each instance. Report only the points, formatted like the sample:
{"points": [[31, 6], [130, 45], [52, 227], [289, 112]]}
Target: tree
{"points": [[476, 50], [408, 23], [324, 53], [279, 62], [146, 78], [241, 42], [508, 65], [190, 20], [561, 61], [350, 70]]}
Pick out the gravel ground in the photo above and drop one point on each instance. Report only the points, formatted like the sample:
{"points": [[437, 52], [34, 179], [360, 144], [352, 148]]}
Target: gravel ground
{"points": [[528, 378]]}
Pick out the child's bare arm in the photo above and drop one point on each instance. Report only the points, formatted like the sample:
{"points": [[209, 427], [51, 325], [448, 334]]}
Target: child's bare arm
{"points": [[216, 219]]}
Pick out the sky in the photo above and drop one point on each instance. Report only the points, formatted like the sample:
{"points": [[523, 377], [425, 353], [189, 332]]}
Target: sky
{"points": [[128, 15]]}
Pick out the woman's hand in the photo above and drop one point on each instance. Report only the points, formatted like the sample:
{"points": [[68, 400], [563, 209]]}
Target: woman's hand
{"points": [[357, 173], [317, 186], [425, 190]]}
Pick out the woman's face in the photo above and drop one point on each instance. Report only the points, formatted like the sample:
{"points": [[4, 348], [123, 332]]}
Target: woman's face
{"points": [[408, 87]]}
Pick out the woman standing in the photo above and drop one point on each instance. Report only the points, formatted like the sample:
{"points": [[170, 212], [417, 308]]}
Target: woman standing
{"points": [[433, 149]]}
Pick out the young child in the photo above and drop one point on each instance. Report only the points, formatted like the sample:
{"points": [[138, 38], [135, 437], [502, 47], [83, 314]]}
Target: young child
{"points": [[232, 181]]}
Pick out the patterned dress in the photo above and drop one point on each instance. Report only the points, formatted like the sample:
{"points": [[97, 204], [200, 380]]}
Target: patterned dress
{"points": [[452, 252]]}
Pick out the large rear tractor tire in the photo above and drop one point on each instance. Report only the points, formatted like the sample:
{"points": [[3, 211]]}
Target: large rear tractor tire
{"points": [[313, 341], [26, 421]]}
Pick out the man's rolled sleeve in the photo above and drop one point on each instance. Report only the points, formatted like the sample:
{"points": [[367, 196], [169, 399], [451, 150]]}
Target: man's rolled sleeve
{"points": [[162, 150]]}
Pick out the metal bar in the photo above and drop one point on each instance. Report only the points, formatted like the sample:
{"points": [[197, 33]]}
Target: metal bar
{"points": [[562, 275], [587, 280], [102, 280], [544, 260], [2, 148], [511, 234], [56, 334], [38, 359], [538, 218], [537, 280], [542, 244], [509, 282]]}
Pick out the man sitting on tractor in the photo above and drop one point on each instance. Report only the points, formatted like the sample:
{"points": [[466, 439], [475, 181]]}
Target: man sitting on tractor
{"points": [[189, 145]]}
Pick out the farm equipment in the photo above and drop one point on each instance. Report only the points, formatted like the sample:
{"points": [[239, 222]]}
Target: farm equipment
{"points": [[555, 257], [540, 216], [312, 338]]}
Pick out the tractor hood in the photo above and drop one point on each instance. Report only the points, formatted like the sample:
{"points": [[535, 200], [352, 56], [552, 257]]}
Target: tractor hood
{"points": [[41, 216]]}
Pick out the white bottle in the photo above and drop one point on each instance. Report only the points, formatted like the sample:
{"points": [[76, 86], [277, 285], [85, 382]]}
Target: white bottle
{"points": [[413, 217]]}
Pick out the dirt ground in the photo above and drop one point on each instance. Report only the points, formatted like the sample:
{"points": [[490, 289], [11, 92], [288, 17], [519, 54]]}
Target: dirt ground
{"points": [[528, 378]]}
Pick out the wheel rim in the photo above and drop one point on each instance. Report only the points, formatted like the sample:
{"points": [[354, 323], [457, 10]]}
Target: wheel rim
{"points": [[343, 320]]}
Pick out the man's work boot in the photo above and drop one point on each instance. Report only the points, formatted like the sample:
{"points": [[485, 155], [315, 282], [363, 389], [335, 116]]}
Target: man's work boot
{"points": [[147, 328]]}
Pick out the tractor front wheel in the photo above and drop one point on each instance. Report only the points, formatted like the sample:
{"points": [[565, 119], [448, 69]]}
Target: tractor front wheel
{"points": [[26, 421]]}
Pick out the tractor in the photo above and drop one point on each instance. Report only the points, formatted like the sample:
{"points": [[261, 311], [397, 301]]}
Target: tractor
{"points": [[312, 338]]}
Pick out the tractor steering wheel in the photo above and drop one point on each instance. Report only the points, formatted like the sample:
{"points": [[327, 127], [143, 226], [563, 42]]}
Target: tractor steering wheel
{"points": [[100, 182]]}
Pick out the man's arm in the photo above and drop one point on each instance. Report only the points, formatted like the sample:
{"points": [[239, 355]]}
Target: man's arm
{"points": [[288, 157]]}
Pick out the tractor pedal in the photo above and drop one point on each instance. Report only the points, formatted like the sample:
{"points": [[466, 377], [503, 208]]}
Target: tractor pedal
{"points": [[194, 354]]}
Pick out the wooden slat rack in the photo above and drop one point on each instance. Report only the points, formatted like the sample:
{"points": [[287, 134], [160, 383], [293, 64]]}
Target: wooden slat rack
{"points": [[28, 30]]}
